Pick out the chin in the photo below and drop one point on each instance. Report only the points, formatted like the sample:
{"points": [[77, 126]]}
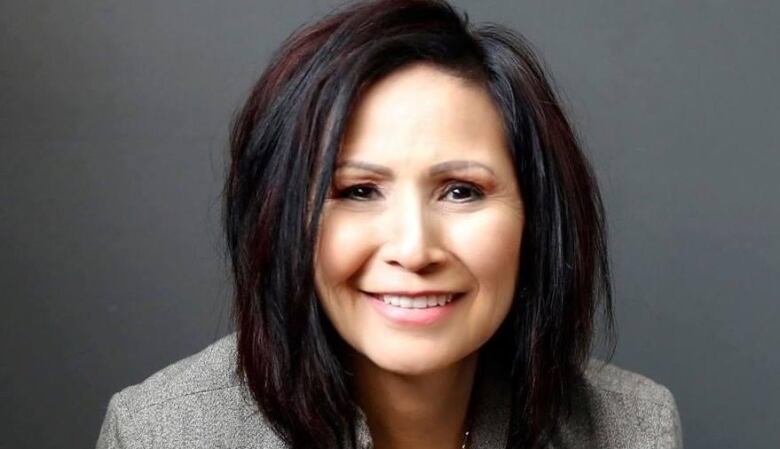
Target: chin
{"points": [[408, 367], [402, 361]]}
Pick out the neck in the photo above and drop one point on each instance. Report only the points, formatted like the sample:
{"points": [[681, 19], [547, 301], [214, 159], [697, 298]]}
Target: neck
{"points": [[415, 411]]}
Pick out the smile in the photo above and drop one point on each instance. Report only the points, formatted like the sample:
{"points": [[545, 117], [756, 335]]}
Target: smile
{"points": [[414, 308], [416, 302]]}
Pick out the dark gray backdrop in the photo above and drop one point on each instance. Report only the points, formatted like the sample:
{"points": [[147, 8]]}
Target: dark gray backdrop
{"points": [[113, 121]]}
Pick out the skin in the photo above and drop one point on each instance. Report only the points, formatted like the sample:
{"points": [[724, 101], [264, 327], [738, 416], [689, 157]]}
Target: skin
{"points": [[403, 228]]}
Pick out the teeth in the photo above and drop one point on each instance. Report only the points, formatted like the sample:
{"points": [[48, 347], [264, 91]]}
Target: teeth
{"points": [[418, 302]]}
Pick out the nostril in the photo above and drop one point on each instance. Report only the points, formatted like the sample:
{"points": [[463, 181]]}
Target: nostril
{"points": [[420, 268]]}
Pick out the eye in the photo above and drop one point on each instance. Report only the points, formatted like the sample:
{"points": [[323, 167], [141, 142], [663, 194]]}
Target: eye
{"points": [[464, 192], [358, 192]]}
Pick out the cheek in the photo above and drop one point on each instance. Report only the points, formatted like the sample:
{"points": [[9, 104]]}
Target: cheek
{"points": [[343, 246], [488, 244]]}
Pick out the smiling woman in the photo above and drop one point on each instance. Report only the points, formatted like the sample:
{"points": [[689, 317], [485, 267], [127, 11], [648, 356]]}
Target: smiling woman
{"points": [[419, 255]]}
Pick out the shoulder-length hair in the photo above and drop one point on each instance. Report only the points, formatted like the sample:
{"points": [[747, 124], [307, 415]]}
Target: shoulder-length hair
{"points": [[284, 143]]}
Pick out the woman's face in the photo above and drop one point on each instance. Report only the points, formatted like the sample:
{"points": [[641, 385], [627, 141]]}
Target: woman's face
{"points": [[425, 208]]}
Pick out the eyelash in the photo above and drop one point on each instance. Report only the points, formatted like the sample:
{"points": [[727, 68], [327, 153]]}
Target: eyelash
{"points": [[345, 192]]}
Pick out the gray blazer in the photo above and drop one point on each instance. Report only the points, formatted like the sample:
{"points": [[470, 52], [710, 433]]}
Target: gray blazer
{"points": [[198, 402]]}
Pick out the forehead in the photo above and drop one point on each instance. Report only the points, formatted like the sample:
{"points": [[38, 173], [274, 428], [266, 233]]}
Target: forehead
{"points": [[422, 112]]}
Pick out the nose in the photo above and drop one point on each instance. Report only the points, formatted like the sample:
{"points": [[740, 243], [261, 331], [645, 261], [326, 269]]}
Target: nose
{"points": [[412, 240]]}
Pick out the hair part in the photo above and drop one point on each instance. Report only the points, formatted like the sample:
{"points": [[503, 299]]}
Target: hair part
{"points": [[283, 147]]}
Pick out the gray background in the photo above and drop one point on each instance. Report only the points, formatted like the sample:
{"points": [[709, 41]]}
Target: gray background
{"points": [[113, 122]]}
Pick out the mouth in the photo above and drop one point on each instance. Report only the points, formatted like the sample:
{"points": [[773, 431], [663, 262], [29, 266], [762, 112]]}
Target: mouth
{"points": [[421, 300]]}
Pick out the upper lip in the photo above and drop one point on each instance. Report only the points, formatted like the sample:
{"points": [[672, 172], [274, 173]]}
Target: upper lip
{"points": [[413, 294]]}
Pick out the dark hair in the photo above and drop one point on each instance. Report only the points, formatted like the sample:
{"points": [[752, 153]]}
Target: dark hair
{"points": [[284, 143]]}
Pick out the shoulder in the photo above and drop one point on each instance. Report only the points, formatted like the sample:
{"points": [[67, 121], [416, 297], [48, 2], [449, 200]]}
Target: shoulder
{"points": [[617, 408], [609, 378], [209, 370], [197, 401]]}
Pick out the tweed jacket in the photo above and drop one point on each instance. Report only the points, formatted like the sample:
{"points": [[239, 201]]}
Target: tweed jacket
{"points": [[198, 402]]}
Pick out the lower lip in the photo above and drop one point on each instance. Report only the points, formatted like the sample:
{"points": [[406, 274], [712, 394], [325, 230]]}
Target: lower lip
{"points": [[413, 317]]}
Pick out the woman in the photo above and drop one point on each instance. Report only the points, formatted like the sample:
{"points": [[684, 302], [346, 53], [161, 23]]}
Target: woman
{"points": [[418, 250]]}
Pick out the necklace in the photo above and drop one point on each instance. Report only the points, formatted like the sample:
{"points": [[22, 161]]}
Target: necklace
{"points": [[469, 424], [465, 440]]}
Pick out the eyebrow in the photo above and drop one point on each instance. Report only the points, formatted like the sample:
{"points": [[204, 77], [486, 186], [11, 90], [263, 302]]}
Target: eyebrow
{"points": [[434, 170], [458, 165]]}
